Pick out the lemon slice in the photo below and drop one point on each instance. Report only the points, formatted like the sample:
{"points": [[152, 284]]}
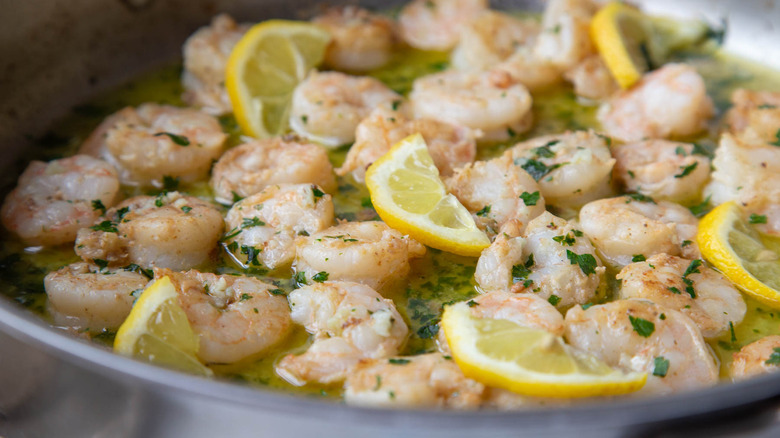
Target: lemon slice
{"points": [[528, 361], [157, 330], [622, 36], [265, 67], [749, 260], [409, 196]]}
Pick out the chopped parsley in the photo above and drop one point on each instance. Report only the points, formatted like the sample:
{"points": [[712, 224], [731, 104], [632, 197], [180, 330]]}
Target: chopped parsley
{"points": [[484, 211], [537, 169], [545, 151], [638, 258], [660, 366], [394, 361], [249, 222], [158, 201], [521, 272], [366, 202], [236, 196], [702, 150], [679, 150], [305, 119], [674, 290], [300, 277], [317, 192], [105, 226], [231, 234], [587, 306], [245, 297], [100, 263], [120, 214], [510, 132], [429, 330], [251, 254], [774, 358], [472, 303], [177, 139], [693, 268], [530, 198], [698, 210], [567, 240], [639, 198], [276, 291], [395, 104], [586, 261], [777, 139], [320, 276], [642, 326], [686, 170], [137, 269], [170, 183], [685, 243], [97, 204], [757, 219], [554, 299], [731, 330], [186, 208]]}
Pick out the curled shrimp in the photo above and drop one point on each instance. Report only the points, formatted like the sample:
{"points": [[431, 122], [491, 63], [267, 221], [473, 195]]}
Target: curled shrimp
{"points": [[170, 230], [638, 335], [263, 227], [565, 37], [251, 167], [754, 115], [53, 200], [450, 146], [327, 107], [350, 322], [437, 24], [662, 169], [669, 102], [571, 168], [154, 141], [205, 56], [424, 381], [491, 102], [234, 317], [592, 79], [88, 297], [364, 252], [627, 226], [490, 39], [360, 40], [758, 357], [687, 286]]}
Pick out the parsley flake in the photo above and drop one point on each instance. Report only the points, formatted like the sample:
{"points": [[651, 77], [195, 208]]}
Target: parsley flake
{"points": [[320, 276], [660, 366], [774, 358], [484, 211], [177, 139], [245, 297], [586, 261], [638, 258], [639, 198], [530, 198], [105, 226], [317, 192], [757, 219], [394, 361], [537, 169], [249, 222], [186, 208], [170, 183], [97, 204], [642, 326], [686, 170], [554, 299]]}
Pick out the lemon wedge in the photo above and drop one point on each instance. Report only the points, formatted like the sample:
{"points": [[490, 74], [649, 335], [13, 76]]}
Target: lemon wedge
{"points": [[265, 67], [409, 196], [749, 260], [528, 361], [622, 36], [157, 330]]}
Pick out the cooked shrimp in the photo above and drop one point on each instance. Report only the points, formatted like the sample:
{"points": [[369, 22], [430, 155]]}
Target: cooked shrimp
{"points": [[424, 381], [491, 102], [759, 357], [360, 40], [669, 102], [205, 56], [626, 226], [565, 37], [437, 24], [552, 260], [450, 146], [748, 172], [571, 168], [754, 114], [638, 335], [695, 290], [496, 191], [327, 107], [53, 200], [364, 252], [168, 231], [251, 167], [153, 141], [490, 39], [350, 322], [591, 78], [85, 296], [662, 169], [235, 317], [264, 226]]}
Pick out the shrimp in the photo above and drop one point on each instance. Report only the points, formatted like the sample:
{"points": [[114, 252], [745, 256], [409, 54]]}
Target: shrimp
{"points": [[490, 39], [754, 114], [662, 169], [153, 141], [571, 168], [450, 146], [687, 286], [86, 296], [361, 41], [424, 381], [632, 225], [526, 68], [251, 167], [490, 102], [234, 317], [350, 322], [756, 358], [170, 230], [669, 102], [748, 172], [53, 200], [565, 37], [553, 260], [264, 226], [496, 191], [638, 335], [327, 107], [437, 24], [592, 79], [364, 252], [205, 56]]}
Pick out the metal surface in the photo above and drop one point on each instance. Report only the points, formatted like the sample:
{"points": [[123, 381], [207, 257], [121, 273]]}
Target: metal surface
{"points": [[56, 54]]}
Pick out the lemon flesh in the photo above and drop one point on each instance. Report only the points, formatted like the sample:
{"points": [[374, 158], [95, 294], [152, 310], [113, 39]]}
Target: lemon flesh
{"points": [[157, 330], [264, 68], [751, 261], [529, 361], [408, 195], [622, 36]]}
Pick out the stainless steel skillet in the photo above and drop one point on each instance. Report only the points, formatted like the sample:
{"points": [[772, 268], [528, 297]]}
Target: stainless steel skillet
{"points": [[58, 53]]}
